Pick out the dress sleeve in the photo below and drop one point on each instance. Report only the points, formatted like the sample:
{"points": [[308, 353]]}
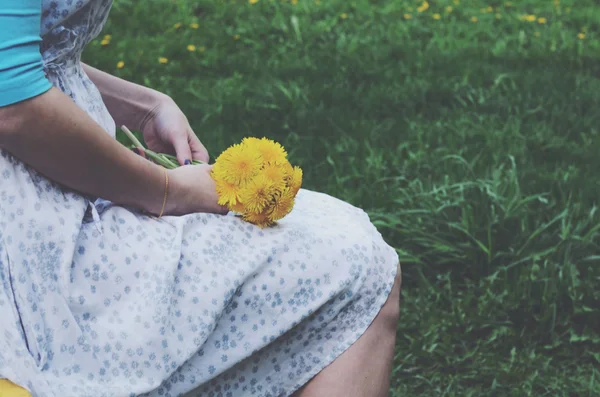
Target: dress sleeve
{"points": [[21, 67]]}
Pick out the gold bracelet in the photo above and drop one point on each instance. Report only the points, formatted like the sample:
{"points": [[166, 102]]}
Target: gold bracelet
{"points": [[162, 211]]}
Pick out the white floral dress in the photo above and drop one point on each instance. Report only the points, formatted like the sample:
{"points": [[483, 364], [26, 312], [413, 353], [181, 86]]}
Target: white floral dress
{"points": [[99, 301]]}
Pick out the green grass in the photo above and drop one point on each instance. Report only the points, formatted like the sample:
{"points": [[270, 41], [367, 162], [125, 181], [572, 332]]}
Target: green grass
{"points": [[474, 146]]}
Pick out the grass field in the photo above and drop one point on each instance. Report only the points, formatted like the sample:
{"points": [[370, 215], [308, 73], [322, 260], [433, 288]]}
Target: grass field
{"points": [[468, 130]]}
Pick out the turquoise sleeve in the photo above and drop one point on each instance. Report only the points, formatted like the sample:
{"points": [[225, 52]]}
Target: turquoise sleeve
{"points": [[21, 67]]}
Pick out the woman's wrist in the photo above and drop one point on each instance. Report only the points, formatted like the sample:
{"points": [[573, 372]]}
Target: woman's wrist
{"points": [[128, 103]]}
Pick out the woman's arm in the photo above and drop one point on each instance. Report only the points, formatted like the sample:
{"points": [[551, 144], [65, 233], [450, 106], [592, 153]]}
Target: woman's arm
{"points": [[63, 143], [67, 146], [128, 103], [165, 127]]}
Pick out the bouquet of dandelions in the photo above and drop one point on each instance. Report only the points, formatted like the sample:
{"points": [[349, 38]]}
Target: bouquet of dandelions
{"points": [[254, 178]]}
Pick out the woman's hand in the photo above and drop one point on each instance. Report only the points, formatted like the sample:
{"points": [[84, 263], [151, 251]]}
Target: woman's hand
{"points": [[167, 130], [191, 190]]}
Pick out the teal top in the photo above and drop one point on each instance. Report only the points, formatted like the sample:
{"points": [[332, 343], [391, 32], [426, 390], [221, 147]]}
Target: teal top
{"points": [[21, 66]]}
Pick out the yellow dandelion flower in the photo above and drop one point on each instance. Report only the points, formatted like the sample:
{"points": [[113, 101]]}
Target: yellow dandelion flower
{"points": [[343, 15], [194, 25], [295, 182], [236, 37], [228, 192], [436, 16], [581, 36], [407, 16], [528, 18], [456, 2], [105, 42], [508, 4], [282, 205], [449, 9], [257, 194], [201, 49], [275, 174], [177, 25], [498, 15], [238, 164], [191, 47], [237, 207], [163, 60], [490, 9], [423, 7], [252, 1], [294, 2], [270, 151], [541, 20], [260, 219], [107, 37], [120, 65], [317, 2], [474, 19]]}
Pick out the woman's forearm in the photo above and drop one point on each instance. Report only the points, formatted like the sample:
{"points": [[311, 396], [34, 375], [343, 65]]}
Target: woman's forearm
{"points": [[63, 143], [128, 103]]}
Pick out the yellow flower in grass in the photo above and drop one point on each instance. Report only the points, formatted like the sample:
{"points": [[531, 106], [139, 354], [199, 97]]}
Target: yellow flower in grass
{"points": [[474, 19], [542, 20], [436, 16], [163, 60], [177, 25], [423, 7], [449, 9], [581, 36], [120, 65], [528, 18], [194, 26], [252, 1], [191, 47], [257, 194], [105, 42], [407, 16], [343, 15]]}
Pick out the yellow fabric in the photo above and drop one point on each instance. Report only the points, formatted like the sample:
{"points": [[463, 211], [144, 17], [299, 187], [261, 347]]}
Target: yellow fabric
{"points": [[9, 389]]}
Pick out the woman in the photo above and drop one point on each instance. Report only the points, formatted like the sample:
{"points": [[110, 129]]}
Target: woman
{"points": [[119, 278]]}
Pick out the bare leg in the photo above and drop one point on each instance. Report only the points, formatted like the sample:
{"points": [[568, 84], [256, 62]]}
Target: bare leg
{"points": [[364, 369]]}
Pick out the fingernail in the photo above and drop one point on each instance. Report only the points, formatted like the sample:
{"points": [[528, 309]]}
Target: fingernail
{"points": [[187, 162]]}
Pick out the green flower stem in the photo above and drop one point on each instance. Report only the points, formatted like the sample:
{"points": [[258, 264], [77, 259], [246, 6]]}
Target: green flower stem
{"points": [[166, 160]]}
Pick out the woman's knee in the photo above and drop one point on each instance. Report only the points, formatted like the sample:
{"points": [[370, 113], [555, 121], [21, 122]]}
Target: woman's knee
{"points": [[390, 312]]}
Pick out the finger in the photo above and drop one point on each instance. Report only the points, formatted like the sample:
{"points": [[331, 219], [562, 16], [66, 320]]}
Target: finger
{"points": [[138, 152], [182, 150], [199, 152]]}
